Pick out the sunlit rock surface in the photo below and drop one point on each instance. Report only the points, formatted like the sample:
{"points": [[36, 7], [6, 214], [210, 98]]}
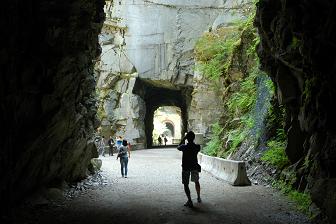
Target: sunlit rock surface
{"points": [[154, 41]]}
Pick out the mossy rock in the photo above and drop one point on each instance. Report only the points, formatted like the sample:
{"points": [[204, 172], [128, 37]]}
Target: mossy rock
{"points": [[95, 165]]}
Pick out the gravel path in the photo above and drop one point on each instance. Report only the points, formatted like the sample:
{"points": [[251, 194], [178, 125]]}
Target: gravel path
{"points": [[153, 193]]}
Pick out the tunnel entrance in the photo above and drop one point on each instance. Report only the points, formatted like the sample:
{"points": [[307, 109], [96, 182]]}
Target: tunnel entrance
{"points": [[156, 96], [167, 124]]}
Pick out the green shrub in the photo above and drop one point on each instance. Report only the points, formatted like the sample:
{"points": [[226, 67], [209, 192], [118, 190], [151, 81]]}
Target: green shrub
{"points": [[243, 100], [215, 144], [214, 51], [276, 155]]}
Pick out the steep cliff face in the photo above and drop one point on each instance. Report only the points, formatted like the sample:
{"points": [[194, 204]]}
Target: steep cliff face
{"points": [[297, 50], [153, 41], [47, 107]]}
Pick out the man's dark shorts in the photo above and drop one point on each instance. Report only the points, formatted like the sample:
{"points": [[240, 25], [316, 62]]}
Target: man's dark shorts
{"points": [[192, 175]]}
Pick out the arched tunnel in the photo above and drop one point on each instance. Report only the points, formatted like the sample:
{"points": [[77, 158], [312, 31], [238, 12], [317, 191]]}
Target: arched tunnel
{"points": [[156, 97], [48, 109]]}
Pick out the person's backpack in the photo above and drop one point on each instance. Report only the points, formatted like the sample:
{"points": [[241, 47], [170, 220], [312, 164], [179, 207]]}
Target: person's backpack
{"points": [[122, 151]]}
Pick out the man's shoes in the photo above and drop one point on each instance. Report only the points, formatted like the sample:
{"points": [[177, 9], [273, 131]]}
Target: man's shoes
{"points": [[199, 200], [189, 204]]}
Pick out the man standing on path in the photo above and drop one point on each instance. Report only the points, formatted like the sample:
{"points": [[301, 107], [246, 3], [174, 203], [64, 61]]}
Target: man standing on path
{"points": [[190, 166]]}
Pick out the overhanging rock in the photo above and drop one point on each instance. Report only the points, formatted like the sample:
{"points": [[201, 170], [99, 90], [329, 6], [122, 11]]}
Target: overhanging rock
{"points": [[231, 171]]}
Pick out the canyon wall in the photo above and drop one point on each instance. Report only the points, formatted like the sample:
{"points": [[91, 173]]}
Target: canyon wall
{"points": [[297, 51], [48, 109], [153, 41]]}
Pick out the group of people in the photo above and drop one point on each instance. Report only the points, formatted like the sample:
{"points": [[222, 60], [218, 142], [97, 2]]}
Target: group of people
{"points": [[164, 139], [123, 149], [190, 166]]}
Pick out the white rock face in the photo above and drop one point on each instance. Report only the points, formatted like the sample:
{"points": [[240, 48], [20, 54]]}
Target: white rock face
{"points": [[160, 35], [155, 39]]}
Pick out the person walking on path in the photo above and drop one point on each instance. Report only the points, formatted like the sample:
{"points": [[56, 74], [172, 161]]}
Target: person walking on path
{"points": [[124, 149], [160, 140], [102, 146], [190, 166], [165, 140], [111, 145]]}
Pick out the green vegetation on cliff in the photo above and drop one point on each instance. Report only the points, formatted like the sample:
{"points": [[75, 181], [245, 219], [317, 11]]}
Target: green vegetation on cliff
{"points": [[227, 56], [276, 155]]}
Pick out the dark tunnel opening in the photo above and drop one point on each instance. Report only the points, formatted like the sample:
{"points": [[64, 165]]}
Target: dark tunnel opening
{"points": [[155, 97]]}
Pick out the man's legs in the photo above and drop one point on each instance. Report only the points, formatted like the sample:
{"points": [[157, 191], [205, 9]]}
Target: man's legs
{"points": [[122, 166], [187, 191], [126, 163], [185, 181], [195, 178]]}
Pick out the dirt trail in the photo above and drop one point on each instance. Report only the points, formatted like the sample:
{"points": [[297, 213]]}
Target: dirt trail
{"points": [[153, 193]]}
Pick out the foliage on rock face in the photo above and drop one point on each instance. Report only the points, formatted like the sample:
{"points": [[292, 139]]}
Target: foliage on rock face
{"points": [[101, 95], [214, 51], [276, 155], [216, 142], [227, 55]]}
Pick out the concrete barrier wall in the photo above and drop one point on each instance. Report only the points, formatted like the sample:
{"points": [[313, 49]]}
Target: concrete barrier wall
{"points": [[233, 172]]}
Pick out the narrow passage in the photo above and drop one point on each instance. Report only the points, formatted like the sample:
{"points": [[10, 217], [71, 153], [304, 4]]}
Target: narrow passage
{"points": [[153, 193]]}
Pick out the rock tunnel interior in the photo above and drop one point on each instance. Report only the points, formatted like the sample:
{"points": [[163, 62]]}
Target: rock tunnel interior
{"points": [[47, 90], [155, 97]]}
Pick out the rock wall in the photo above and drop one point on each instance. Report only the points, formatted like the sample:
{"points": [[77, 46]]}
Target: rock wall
{"points": [[206, 107], [48, 111], [154, 41], [297, 50]]}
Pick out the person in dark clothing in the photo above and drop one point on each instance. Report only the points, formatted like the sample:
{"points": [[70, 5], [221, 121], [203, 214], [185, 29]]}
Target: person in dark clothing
{"points": [[160, 140], [190, 166], [110, 143], [124, 154], [165, 140]]}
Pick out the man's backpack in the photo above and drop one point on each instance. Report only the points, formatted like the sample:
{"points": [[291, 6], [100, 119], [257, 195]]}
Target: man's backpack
{"points": [[122, 150]]}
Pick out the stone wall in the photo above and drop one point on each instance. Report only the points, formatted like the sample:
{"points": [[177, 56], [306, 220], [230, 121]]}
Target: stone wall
{"points": [[206, 106], [297, 50], [48, 111]]}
